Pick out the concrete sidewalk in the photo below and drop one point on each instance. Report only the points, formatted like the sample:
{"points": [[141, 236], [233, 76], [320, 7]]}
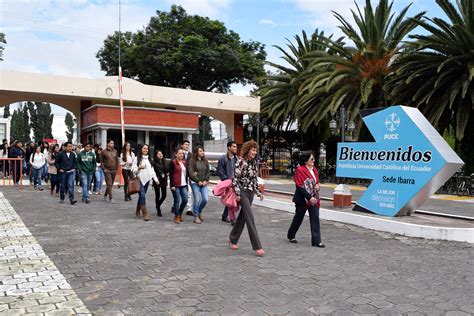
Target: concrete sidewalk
{"points": [[118, 264], [440, 203], [30, 283]]}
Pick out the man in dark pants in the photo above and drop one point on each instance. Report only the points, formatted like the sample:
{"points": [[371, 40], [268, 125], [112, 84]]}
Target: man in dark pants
{"points": [[225, 170], [66, 165], [16, 152], [109, 163]]}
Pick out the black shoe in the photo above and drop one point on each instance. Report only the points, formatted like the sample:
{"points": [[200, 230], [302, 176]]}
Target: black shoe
{"points": [[61, 201], [232, 222], [158, 213], [129, 198], [87, 201], [320, 245], [293, 241], [225, 219], [73, 202], [126, 198], [190, 213]]}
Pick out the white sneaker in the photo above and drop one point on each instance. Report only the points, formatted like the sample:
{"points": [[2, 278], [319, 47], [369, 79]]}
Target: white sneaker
{"points": [[90, 192], [79, 190]]}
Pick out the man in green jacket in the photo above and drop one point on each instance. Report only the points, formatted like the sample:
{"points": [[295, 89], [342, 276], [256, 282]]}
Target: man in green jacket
{"points": [[86, 164]]}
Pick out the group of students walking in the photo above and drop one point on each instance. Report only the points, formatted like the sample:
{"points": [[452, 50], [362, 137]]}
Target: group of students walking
{"points": [[185, 169]]}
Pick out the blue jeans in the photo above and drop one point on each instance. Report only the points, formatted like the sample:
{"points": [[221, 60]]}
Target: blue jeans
{"points": [[142, 193], [67, 182], [55, 182], [99, 179], [37, 174], [180, 192], [86, 179], [200, 197], [45, 171]]}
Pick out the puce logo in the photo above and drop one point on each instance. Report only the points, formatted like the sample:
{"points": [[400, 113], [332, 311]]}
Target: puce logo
{"points": [[392, 122]]}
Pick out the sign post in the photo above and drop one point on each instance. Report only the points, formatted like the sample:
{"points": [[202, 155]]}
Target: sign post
{"points": [[407, 163]]}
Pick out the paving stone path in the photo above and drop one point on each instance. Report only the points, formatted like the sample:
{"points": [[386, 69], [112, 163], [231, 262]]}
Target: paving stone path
{"points": [[30, 283], [118, 264]]}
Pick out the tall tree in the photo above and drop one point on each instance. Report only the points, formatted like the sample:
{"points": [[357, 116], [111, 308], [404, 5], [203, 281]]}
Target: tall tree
{"points": [[3, 42], [6, 111], [41, 120], [20, 124], [205, 130], [281, 92], [437, 75], [70, 122], [184, 51], [355, 75]]}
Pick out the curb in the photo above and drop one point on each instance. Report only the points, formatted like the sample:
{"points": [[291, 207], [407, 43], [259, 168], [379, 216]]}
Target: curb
{"points": [[379, 224]]}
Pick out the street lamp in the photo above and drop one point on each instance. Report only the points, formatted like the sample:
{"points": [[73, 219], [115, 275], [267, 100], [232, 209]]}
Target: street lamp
{"points": [[250, 129], [265, 130], [344, 124]]}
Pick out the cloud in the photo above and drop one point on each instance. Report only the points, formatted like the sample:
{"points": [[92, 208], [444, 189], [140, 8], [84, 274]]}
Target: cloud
{"points": [[214, 9], [62, 37], [59, 128], [322, 16], [268, 22], [241, 90]]}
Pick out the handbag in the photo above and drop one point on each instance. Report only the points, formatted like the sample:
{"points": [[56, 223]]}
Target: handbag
{"points": [[133, 185]]}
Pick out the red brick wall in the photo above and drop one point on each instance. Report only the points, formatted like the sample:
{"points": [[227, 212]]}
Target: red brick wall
{"points": [[89, 118], [140, 117]]}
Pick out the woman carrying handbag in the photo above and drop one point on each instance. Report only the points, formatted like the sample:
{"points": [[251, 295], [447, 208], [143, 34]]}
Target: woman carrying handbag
{"points": [[306, 197], [143, 170]]}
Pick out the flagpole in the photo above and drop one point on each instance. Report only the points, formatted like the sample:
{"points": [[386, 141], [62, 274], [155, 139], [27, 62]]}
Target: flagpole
{"points": [[122, 121]]}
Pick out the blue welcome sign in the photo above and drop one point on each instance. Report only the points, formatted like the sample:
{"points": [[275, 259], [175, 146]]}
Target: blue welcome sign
{"points": [[408, 161]]}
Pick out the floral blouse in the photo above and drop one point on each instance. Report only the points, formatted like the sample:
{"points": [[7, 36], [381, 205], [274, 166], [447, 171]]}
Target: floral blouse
{"points": [[245, 176]]}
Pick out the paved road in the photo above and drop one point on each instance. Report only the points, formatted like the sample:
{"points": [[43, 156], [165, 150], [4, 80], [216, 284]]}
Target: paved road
{"points": [[433, 205], [119, 264]]}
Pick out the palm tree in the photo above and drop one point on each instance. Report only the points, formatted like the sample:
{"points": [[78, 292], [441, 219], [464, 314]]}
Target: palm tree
{"points": [[280, 91], [437, 76], [354, 75]]}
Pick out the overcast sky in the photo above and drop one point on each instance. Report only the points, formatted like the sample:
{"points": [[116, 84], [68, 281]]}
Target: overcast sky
{"points": [[62, 36]]}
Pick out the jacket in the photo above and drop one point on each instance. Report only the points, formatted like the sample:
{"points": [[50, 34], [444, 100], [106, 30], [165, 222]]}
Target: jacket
{"points": [[51, 166], [66, 163], [305, 186], [37, 161], [199, 171], [127, 162], [245, 176], [4, 151], [225, 190], [145, 174], [109, 159], [225, 167], [175, 174], [161, 171], [86, 162], [16, 152]]}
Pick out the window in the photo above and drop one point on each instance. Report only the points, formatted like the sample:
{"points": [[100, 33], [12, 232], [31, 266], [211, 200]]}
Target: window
{"points": [[3, 129]]}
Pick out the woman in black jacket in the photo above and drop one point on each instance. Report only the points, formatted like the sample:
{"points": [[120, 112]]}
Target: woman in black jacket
{"points": [[161, 170], [306, 198]]}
